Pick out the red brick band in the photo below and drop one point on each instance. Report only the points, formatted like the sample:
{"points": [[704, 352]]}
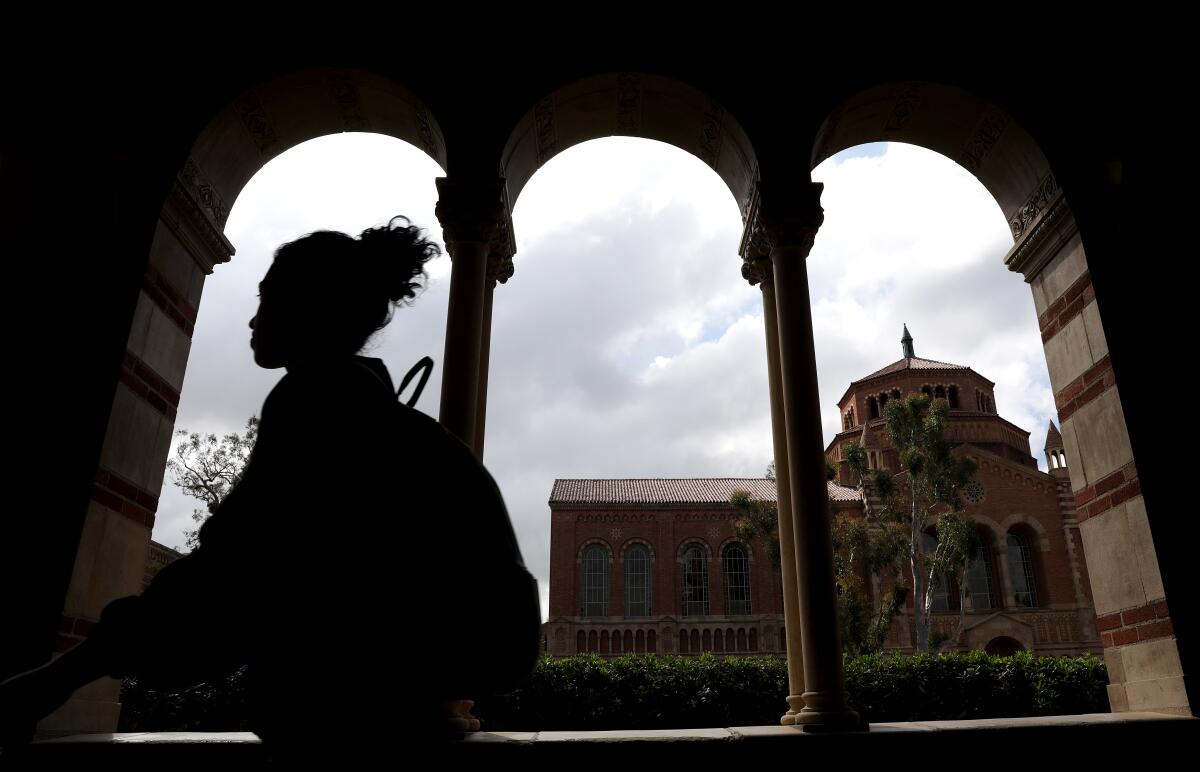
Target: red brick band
{"points": [[71, 631], [1086, 388], [1066, 308], [149, 385], [1108, 492], [169, 299], [1140, 623], [122, 496]]}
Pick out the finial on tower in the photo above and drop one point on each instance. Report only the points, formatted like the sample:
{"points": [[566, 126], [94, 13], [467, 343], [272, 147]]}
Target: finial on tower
{"points": [[907, 342]]}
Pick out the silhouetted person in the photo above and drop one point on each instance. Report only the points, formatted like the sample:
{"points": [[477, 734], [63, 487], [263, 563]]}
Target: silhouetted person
{"points": [[364, 568]]}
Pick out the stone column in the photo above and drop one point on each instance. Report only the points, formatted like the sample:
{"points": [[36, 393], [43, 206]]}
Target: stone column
{"points": [[499, 271], [786, 219], [469, 212], [756, 268]]}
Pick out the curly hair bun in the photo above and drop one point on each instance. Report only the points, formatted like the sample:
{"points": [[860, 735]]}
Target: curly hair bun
{"points": [[397, 253]]}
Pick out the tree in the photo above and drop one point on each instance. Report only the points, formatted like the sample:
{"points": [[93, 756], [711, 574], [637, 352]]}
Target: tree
{"points": [[925, 491], [207, 467], [858, 552]]}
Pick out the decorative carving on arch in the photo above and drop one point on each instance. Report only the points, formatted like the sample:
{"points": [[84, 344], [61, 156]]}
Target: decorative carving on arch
{"points": [[987, 134], [545, 131], [907, 102], [712, 133], [345, 95], [629, 103], [257, 122]]}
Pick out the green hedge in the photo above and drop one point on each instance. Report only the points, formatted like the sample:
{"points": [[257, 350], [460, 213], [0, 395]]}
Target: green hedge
{"points": [[650, 692]]}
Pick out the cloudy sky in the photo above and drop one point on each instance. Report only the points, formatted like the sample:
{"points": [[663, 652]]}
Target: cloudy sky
{"points": [[627, 344]]}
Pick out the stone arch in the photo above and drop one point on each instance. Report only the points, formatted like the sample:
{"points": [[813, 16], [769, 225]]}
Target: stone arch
{"points": [[273, 116], [631, 104], [980, 136], [1031, 528]]}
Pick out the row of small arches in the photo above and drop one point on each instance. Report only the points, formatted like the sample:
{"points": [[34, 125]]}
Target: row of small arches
{"points": [[693, 641]]}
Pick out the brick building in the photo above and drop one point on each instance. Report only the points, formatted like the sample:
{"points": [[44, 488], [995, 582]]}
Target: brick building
{"points": [[1028, 588], [653, 565]]}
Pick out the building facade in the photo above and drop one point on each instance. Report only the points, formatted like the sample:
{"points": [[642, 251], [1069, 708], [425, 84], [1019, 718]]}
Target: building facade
{"points": [[1028, 587], [654, 565]]}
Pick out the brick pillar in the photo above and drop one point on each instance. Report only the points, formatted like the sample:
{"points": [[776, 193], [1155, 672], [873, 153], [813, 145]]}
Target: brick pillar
{"points": [[1144, 667], [110, 561]]}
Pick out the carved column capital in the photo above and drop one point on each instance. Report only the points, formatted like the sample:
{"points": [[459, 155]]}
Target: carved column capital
{"points": [[1041, 228], [758, 270], [501, 250], [470, 210], [781, 216]]}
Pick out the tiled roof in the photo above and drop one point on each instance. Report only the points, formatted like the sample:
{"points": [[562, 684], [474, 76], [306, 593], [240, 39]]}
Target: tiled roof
{"points": [[1053, 437], [916, 363], [689, 490]]}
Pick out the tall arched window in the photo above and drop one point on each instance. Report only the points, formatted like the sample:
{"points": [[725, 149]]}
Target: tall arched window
{"points": [[873, 407], [952, 396], [595, 582], [737, 580], [637, 581], [695, 581], [1020, 569], [980, 584]]}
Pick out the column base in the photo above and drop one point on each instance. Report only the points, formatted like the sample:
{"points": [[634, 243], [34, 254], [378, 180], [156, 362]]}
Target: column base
{"points": [[459, 716], [828, 712], [795, 705]]}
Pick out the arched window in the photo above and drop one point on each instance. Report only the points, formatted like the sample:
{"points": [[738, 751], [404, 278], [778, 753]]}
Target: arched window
{"points": [[604, 649], [939, 392], [980, 582], [873, 407], [637, 581], [640, 642], [927, 391], [896, 394], [696, 641], [707, 645], [628, 642], [737, 580], [852, 424], [651, 642], [1020, 569], [952, 396], [595, 581], [718, 641], [616, 642], [883, 398], [741, 640], [593, 641], [753, 639], [683, 642], [695, 581], [580, 642]]}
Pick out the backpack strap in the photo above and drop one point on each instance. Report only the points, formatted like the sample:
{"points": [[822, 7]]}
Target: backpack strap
{"points": [[426, 364]]}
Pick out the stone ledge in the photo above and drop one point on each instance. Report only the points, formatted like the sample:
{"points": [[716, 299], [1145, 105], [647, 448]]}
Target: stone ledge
{"points": [[1089, 736]]}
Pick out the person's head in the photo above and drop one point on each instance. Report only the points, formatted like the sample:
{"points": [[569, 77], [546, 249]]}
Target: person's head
{"points": [[327, 293]]}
